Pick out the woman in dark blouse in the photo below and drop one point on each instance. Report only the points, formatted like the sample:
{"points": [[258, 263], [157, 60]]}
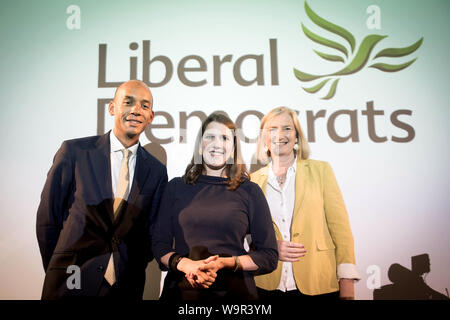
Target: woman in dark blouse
{"points": [[204, 218]]}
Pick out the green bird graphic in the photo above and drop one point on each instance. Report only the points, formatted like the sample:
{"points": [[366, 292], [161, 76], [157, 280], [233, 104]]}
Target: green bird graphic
{"points": [[357, 62]]}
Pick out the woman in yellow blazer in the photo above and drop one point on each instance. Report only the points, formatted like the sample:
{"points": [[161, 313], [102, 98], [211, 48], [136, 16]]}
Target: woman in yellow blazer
{"points": [[315, 242]]}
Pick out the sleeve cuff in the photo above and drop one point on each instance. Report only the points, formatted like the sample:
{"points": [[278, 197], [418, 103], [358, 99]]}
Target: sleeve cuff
{"points": [[347, 271]]}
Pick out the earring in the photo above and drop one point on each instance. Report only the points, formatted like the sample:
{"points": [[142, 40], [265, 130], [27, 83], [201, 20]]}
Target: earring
{"points": [[200, 151], [266, 149], [296, 145]]}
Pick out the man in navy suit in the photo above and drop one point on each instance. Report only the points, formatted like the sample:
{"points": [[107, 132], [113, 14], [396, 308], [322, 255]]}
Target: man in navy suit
{"points": [[76, 224]]}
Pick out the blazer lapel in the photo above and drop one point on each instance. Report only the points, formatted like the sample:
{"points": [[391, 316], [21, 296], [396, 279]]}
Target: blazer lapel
{"points": [[301, 187], [263, 177], [300, 190]]}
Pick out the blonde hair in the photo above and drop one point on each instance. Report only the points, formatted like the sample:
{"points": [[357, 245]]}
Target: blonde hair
{"points": [[303, 147]]}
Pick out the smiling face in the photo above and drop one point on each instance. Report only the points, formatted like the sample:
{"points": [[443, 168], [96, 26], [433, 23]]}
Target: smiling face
{"points": [[281, 135], [217, 147], [132, 111]]}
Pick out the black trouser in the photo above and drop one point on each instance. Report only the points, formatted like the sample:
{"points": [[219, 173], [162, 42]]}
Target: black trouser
{"points": [[117, 292], [106, 290]]}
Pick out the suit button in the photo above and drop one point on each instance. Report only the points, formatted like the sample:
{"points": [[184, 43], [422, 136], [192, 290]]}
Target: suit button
{"points": [[100, 268]]}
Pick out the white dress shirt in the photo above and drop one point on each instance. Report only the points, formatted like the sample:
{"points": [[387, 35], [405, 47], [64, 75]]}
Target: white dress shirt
{"points": [[116, 160], [281, 203]]}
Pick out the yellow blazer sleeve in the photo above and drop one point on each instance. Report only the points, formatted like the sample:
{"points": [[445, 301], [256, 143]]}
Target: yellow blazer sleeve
{"points": [[337, 218]]}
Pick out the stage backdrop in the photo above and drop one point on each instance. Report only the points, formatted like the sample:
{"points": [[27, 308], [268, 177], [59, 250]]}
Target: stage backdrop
{"points": [[368, 78]]}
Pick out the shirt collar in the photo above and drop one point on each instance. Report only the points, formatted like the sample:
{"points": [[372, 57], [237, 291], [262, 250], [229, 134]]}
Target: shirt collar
{"points": [[291, 170], [116, 145]]}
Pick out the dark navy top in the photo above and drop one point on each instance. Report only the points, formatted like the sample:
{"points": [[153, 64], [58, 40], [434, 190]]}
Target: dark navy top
{"points": [[209, 218]]}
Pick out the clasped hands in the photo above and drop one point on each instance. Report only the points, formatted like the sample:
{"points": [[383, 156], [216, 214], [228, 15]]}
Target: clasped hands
{"points": [[200, 273]]}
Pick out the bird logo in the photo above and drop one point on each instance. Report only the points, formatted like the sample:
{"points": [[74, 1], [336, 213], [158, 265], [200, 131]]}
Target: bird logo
{"points": [[353, 62]]}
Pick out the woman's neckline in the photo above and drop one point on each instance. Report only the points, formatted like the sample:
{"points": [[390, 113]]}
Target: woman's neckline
{"points": [[212, 179]]}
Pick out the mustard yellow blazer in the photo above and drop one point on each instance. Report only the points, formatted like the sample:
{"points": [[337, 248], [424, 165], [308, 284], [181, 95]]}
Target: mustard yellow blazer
{"points": [[319, 222]]}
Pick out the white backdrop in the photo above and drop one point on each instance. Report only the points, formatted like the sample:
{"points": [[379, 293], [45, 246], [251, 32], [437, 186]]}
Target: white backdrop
{"points": [[396, 192]]}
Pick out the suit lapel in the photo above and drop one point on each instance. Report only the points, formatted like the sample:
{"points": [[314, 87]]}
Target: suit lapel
{"points": [[128, 210], [99, 158], [141, 173], [101, 165]]}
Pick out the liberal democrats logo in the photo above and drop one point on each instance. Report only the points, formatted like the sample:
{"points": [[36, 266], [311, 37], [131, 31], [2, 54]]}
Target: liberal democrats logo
{"points": [[353, 62]]}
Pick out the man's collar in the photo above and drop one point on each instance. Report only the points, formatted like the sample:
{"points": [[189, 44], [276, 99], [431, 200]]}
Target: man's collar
{"points": [[116, 145]]}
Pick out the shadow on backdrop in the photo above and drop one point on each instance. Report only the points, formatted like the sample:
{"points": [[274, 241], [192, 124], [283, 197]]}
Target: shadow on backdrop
{"points": [[409, 284], [157, 151], [152, 281], [255, 165]]}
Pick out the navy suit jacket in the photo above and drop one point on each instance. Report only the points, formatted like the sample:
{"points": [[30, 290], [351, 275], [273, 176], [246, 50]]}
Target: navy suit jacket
{"points": [[75, 222]]}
